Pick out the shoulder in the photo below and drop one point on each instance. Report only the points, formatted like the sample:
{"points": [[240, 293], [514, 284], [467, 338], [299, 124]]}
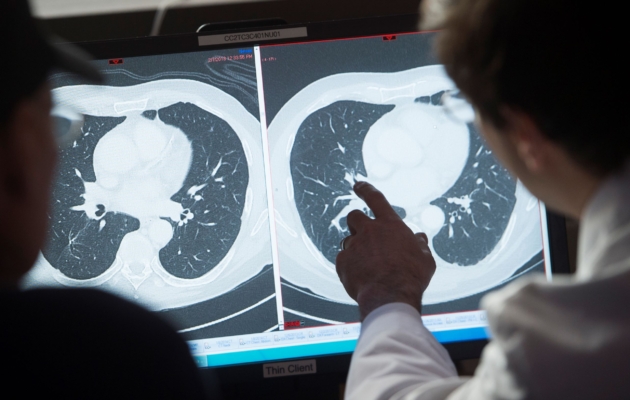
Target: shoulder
{"points": [[73, 315], [533, 302], [95, 337], [568, 325], [81, 309]]}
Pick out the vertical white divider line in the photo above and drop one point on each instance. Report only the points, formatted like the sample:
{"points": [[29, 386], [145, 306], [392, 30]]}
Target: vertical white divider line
{"points": [[544, 231], [270, 203]]}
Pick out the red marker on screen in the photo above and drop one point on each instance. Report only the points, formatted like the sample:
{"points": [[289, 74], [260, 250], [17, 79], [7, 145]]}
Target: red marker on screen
{"points": [[293, 324]]}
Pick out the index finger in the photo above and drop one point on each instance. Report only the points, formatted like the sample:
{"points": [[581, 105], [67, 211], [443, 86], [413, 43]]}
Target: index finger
{"points": [[375, 200]]}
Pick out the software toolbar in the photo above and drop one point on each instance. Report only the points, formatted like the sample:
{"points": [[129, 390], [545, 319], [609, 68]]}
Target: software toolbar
{"points": [[456, 324]]}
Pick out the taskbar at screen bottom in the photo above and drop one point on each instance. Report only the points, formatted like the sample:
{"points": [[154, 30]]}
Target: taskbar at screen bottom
{"points": [[320, 349]]}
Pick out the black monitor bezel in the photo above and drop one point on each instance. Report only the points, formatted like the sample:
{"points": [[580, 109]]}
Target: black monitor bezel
{"points": [[185, 43], [334, 365]]}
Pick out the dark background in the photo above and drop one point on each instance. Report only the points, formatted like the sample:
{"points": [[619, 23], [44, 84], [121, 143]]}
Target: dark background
{"points": [[182, 19], [298, 66]]}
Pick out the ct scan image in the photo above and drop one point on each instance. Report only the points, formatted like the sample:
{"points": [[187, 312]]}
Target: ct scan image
{"points": [[399, 123], [162, 198]]}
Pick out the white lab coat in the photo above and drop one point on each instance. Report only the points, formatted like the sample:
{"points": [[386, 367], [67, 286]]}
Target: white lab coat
{"points": [[569, 339]]}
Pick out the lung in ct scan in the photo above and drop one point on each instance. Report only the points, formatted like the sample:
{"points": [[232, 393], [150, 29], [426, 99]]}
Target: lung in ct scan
{"points": [[326, 158], [212, 197]]}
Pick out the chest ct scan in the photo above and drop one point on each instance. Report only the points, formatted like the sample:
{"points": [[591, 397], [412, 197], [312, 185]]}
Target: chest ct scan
{"points": [[392, 130], [161, 199]]}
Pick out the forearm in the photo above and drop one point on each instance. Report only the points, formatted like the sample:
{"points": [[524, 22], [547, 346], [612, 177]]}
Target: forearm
{"points": [[396, 354]]}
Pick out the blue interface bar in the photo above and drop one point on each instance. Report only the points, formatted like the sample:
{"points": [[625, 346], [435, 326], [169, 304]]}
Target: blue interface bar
{"points": [[320, 349]]}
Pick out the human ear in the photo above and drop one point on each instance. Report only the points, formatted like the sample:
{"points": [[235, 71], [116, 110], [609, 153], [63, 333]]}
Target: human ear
{"points": [[28, 150], [15, 173], [530, 143], [3, 171]]}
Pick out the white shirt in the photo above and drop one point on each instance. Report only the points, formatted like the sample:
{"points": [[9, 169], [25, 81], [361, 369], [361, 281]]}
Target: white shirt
{"points": [[569, 339]]}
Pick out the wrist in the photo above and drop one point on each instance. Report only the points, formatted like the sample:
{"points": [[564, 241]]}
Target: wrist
{"points": [[373, 297]]}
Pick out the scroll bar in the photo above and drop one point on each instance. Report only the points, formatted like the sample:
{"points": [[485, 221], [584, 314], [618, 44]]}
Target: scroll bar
{"points": [[270, 203]]}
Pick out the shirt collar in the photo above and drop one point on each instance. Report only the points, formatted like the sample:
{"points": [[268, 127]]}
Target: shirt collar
{"points": [[606, 214]]}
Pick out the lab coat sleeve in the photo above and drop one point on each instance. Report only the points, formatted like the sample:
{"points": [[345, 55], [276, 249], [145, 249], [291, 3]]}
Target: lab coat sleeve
{"points": [[566, 339], [549, 341], [397, 355], [561, 340]]}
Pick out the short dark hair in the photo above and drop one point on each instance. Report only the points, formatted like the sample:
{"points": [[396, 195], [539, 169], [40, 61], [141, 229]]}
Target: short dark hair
{"points": [[29, 55], [26, 62], [559, 61]]}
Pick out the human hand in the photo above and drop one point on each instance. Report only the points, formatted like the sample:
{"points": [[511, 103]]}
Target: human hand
{"points": [[383, 261]]}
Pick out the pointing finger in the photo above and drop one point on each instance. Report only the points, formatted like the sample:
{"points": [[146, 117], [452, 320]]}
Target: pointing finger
{"points": [[375, 200]]}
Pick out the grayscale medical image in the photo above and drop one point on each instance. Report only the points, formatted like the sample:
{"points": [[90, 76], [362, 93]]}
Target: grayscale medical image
{"points": [[402, 127], [162, 198]]}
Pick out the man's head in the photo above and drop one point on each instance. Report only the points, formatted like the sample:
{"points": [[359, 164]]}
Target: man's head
{"points": [[547, 85], [27, 162], [27, 145]]}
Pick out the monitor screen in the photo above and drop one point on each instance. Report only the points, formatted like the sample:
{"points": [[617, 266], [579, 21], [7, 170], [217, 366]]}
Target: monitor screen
{"points": [[212, 188]]}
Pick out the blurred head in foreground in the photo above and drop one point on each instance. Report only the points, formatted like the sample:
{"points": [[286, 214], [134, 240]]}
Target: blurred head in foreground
{"points": [[28, 147]]}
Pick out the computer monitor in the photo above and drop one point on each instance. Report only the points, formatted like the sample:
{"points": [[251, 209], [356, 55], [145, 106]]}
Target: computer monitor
{"points": [[214, 172]]}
